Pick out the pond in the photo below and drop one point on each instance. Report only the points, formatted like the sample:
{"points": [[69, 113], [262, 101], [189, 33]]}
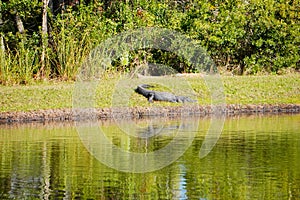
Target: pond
{"points": [[255, 157]]}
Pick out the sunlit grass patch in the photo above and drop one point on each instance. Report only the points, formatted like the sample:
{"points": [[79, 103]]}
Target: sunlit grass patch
{"points": [[116, 92]]}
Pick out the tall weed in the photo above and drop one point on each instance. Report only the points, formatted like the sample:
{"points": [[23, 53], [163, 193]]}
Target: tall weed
{"points": [[19, 66]]}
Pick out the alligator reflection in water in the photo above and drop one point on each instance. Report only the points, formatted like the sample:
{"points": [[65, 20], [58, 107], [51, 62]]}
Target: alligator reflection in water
{"points": [[156, 136], [156, 129], [123, 146]]}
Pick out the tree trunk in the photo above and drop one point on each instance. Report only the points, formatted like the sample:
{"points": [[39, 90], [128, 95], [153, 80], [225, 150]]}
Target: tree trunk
{"points": [[2, 47], [44, 38], [19, 23]]}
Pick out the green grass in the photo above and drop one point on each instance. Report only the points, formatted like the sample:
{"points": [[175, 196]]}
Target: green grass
{"points": [[36, 97], [262, 89], [238, 90]]}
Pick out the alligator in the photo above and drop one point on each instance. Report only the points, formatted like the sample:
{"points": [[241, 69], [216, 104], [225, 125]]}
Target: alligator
{"points": [[160, 96]]}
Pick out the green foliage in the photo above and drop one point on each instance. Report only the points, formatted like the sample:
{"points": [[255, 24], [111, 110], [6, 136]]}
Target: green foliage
{"points": [[247, 36], [29, 12], [244, 37]]}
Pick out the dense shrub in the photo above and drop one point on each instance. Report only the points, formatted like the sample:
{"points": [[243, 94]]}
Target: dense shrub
{"points": [[242, 36], [247, 36]]}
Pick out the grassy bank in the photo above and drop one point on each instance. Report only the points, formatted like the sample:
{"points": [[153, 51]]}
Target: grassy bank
{"points": [[238, 90]]}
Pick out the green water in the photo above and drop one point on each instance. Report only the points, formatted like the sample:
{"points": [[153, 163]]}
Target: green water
{"points": [[256, 157]]}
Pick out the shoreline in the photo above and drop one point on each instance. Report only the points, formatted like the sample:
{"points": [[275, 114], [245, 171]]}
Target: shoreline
{"points": [[69, 114]]}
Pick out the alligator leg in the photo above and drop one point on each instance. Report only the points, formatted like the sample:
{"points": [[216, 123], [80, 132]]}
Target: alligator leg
{"points": [[150, 98]]}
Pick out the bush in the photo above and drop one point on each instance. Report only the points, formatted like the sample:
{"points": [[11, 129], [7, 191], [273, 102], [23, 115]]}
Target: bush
{"points": [[247, 36], [244, 37]]}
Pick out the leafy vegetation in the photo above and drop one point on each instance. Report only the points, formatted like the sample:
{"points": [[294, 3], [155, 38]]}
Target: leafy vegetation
{"points": [[243, 37]]}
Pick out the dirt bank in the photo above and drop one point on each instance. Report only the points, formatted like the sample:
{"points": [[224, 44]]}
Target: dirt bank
{"points": [[140, 112]]}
